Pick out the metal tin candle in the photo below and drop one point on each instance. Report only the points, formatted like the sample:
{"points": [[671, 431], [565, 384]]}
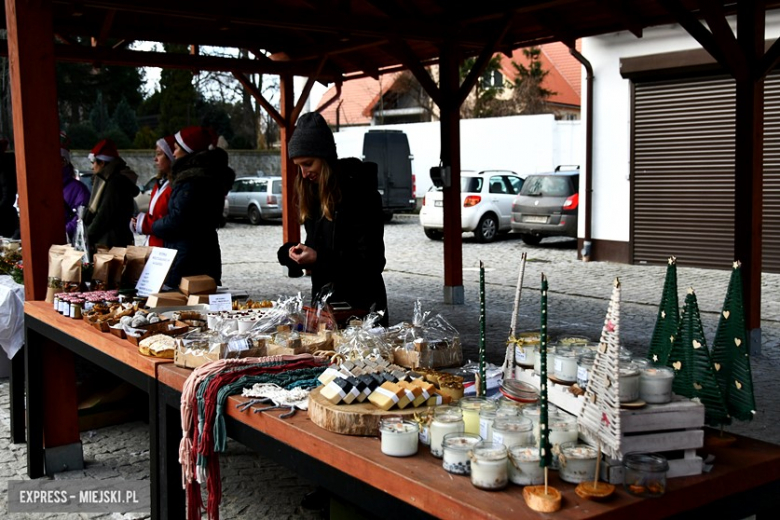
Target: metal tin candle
{"points": [[446, 419], [524, 468], [655, 384], [470, 407], [577, 462], [489, 469], [456, 447], [399, 438]]}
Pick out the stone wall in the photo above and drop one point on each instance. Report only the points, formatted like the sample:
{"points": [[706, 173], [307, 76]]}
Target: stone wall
{"points": [[244, 162]]}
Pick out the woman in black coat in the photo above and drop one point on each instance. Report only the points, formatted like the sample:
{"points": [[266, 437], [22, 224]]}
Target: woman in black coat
{"points": [[341, 211], [200, 180]]}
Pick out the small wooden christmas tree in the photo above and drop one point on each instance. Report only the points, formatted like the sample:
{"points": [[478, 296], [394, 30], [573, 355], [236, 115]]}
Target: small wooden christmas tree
{"points": [[730, 353], [668, 317], [694, 373]]}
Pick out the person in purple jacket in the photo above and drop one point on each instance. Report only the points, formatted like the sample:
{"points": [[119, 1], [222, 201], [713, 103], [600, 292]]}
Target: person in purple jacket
{"points": [[74, 191]]}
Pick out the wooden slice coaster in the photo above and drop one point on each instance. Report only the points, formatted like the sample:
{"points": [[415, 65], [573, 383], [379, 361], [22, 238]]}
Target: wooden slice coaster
{"points": [[594, 491], [538, 500], [633, 404], [559, 381]]}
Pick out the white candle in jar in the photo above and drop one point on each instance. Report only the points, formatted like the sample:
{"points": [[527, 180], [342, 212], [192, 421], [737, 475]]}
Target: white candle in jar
{"points": [[563, 429], [446, 419], [470, 407], [456, 448], [538, 359], [628, 383], [489, 466], [512, 430], [655, 385], [523, 466], [524, 354], [565, 364], [577, 463], [399, 439]]}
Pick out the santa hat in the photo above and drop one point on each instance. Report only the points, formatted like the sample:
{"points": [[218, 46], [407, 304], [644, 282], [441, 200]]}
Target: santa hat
{"points": [[194, 139], [64, 146], [104, 151], [166, 145]]}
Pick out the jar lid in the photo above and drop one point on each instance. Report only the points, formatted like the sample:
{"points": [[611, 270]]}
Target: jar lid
{"points": [[519, 391], [641, 461]]}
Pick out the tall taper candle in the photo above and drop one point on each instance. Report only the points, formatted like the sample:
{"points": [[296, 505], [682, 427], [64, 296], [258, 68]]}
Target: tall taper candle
{"points": [[544, 427], [482, 379]]}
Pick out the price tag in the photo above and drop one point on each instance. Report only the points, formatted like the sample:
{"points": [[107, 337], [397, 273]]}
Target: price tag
{"points": [[220, 302]]}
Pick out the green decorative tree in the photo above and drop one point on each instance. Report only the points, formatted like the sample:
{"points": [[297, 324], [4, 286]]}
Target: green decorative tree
{"points": [[668, 317], [694, 373], [730, 353]]}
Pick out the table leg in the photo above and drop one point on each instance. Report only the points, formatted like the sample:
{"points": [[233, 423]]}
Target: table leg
{"points": [[17, 397], [33, 371], [173, 503]]}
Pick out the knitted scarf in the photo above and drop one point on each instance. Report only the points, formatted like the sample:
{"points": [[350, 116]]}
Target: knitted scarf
{"points": [[204, 434]]}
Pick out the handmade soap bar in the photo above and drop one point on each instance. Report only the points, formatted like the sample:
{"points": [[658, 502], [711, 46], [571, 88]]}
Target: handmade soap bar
{"points": [[336, 391], [357, 387], [438, 399], [387, 395], [328, 375], [369, 384], [417, 397]]}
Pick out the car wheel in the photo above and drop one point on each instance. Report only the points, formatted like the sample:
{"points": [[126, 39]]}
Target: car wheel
{"points": [[254, 215], [531, 240], [487, 229], [434, 234]]}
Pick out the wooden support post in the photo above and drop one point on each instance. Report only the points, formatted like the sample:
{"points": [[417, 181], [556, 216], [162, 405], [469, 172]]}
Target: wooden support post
{"points": [[291, 226], [748, 165], [450, 156]]}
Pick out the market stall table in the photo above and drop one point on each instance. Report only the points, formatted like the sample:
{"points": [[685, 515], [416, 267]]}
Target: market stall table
{"points": [[119, 357], [745, 479]]}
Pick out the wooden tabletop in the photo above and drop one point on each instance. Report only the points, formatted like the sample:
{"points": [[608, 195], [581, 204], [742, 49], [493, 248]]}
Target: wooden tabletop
{"points": [[421, 481], [120, 349]]}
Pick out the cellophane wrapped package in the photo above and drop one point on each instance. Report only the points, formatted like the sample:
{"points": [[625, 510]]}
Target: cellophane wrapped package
{"points": [[430, 341]]}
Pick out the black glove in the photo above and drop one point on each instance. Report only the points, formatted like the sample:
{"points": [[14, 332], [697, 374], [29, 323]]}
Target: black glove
{"points": [[293, 269]]}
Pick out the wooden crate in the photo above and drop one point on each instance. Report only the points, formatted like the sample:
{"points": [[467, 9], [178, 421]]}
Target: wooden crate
{"points": [[672, 429]]}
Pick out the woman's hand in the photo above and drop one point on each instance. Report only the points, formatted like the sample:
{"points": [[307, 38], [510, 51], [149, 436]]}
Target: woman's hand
{"points": [[303, 255]]}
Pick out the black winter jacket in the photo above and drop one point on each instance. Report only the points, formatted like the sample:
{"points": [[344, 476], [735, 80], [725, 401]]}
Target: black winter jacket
{"points": [[351, 248], [200, 183], [109, 224]]}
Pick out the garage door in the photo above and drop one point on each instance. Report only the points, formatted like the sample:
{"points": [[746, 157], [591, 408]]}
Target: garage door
{"points": [[683, 172]]}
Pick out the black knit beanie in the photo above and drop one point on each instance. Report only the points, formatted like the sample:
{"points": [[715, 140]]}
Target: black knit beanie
{"points": [[312, 138]]}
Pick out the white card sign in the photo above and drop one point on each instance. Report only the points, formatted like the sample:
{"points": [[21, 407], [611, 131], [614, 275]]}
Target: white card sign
{"points": [[155, 271], [220, 302]]}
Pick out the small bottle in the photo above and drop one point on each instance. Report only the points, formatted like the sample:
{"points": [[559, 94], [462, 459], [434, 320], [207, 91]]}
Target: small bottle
{"points": [[76, 306]]}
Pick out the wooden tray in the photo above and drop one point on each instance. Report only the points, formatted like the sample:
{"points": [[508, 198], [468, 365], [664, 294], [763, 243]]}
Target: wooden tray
{"points": [[351, 419]]}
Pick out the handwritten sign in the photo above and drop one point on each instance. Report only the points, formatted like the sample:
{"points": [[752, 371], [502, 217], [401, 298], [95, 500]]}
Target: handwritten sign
{"points": [[220, 302], [155, 271]]}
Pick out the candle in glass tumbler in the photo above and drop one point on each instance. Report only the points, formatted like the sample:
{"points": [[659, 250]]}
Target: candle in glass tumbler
{"points": [[577, 462], [470, 407], [399, 438], [456, 448], [524, 468], [655, 384], [446, 419], [489, 466]]}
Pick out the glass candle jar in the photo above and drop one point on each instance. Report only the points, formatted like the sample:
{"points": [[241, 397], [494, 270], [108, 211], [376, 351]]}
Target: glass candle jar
{"points": [[524, 349], [629, 382], [563, 429], [655, 384], [644, 474], [512, 430], [565, 364], [399, 438], [524, 468], [470, 407], [456, 447], [533, 411], [584, 365], [577, 462], [488, 415], [76, 306], [538, 359], [489, 469], [446, 419]]}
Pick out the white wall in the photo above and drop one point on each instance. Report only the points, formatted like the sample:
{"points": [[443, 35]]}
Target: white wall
{"points": [[524, 144], [612, 118]]}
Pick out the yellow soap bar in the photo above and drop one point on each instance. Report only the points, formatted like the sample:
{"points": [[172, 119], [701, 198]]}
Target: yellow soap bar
{"points": [[387, 395], [417, 396]]}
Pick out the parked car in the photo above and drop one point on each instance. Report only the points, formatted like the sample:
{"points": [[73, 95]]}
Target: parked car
{"points": [[547, 206], [486, 204], [255, 198]]}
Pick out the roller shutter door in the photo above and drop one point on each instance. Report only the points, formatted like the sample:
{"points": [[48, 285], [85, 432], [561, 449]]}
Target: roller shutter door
{"points": [[683, 172]]}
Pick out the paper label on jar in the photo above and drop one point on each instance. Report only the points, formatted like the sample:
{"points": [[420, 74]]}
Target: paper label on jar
{"points": [[484, 424], [582, 374], [239, 345], [498, 437], [558, 364], [424, 435], [519, 354]]}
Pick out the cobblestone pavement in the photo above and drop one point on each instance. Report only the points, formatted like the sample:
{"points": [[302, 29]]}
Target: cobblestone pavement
{"points": [[579, 294]]}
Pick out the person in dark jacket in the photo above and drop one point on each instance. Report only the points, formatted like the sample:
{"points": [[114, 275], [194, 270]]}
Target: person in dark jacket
{"points": [[9, 218], [200, 180], [111, 204], [74, 191], [341, 210]]}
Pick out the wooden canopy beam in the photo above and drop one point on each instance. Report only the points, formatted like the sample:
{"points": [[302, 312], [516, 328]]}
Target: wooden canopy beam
{"points": [[291, 224], [307, 89], [482, 61], [405, 54], [253, 90], [727, 42], [626, 15]]}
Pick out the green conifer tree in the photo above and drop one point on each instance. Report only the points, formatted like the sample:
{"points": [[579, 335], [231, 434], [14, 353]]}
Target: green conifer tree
{"points": [[731, 353], [694, 374], [668, 317]]}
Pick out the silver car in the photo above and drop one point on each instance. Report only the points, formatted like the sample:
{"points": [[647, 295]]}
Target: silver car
{"points": [[255, 198]]}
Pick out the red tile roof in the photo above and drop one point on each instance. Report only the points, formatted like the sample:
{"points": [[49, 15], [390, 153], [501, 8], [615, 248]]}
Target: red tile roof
{"points": [[563, 69]]}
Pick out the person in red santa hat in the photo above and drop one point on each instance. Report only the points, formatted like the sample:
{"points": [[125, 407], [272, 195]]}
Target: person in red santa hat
{"points": [[200, 180], [161, 192], [111, 203]]}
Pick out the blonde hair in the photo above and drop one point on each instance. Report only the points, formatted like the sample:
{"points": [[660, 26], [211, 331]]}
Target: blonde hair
{"points": [[323, 194]]}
